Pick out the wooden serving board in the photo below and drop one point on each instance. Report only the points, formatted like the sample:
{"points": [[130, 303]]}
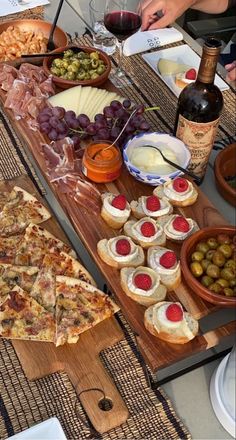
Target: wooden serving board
{"points": [[81, 360], [157, 353]]}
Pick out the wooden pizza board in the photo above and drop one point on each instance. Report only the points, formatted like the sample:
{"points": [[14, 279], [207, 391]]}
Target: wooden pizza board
{"points": [[81, 360], [157, 353]]}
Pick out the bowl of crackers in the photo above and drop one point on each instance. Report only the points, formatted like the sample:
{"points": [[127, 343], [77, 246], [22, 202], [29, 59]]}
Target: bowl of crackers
{"points": [[26, 37]]}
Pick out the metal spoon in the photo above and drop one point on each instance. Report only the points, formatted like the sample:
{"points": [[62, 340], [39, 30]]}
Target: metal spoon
{"points": [[175, 165], [50, 43]]}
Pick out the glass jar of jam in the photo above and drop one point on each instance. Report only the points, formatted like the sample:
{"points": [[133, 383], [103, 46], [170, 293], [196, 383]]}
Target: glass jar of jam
{"points": [[102, 162]]}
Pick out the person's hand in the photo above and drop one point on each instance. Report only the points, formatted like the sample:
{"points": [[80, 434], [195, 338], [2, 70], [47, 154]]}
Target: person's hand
{"points": [[170, 9], [231, 69]]}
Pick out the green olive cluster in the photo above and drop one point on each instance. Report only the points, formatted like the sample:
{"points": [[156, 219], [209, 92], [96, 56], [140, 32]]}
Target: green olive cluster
{"points": [[214, 263], [78, 66]]}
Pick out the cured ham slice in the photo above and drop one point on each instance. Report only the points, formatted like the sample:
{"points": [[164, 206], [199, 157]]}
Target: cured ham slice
{"points": [[7, 76]]}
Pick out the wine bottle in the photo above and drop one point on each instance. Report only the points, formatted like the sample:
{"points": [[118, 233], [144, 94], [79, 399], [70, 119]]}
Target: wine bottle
{"points": [[198, 111]]}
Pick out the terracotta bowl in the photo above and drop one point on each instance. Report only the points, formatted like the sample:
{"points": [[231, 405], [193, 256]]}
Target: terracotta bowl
{"points": [[60, 37], [65, 83], [225, 166], [186, 251]]}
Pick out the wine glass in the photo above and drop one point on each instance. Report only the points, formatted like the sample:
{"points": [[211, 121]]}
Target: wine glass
{"points": [[122, 18]]}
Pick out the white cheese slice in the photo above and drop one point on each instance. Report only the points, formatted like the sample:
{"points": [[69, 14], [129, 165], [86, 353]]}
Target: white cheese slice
{"points": [[66, 99]]}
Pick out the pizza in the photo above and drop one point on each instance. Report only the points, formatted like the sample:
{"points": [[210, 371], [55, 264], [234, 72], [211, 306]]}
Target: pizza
{"points": [[4, 290], [43, 289], [36, 243], [21, 209], [64, 264], [23, 276], [8, 248], [79, 307], [21, 317]]}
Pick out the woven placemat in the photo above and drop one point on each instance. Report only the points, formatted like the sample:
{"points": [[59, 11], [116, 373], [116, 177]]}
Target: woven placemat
{"points": [[13, 159], [34, 13], [150, 90], [24, 403]]}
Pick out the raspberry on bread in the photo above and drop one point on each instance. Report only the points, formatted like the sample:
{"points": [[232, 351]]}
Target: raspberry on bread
{"points": [[119, 202], [179, 192], [145, 232], [181, 224], [151, 206], [153, 203], [114, 252], [180, 185], [148, 229], [115, 210], [143, 281], [168, 259], [123, 247], [164, 262]]}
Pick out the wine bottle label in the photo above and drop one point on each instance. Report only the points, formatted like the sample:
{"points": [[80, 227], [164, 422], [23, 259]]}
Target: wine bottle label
{"points": [[199, 138]]}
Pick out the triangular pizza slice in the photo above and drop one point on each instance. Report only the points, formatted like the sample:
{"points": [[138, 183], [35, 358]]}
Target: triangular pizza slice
{"points": [[79, 307], [43, 290], [21, 317], [8, 248], [22, 276], [21, 209]]}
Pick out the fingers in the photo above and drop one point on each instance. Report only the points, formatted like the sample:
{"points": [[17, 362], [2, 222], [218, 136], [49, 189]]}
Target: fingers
{"points": [[231, 76], [162, 22], [148, 11]]}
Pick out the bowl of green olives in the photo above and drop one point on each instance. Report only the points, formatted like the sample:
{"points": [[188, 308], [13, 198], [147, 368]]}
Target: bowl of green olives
{"points": [[208, 261], [77, 65]]}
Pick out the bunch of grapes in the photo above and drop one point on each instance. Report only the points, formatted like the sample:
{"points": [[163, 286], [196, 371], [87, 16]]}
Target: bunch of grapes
{"points": [[58, 123]]}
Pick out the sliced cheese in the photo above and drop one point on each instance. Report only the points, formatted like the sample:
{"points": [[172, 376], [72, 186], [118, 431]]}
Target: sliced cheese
{"points": [[169, 67], [66, 99]]}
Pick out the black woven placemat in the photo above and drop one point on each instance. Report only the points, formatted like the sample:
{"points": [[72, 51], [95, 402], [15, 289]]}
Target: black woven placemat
{"points": [[24, 403]]}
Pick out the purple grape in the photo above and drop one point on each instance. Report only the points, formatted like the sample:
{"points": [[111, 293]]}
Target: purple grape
{"points": [[76, 141], [53, 121], [45, 127], [120, 113], [53, 134], [73, 123], [58, 112], [84, 120], [129, 129], [115, 105], [46, 111], [61, 136], [144, 126], [104, 134], [101, 124], [108, 112], [69, 115], [43, 117], [127, 103], [62, 128], [100, 118], [139, 109], [91, 128], [115, 131], [109, 123]]}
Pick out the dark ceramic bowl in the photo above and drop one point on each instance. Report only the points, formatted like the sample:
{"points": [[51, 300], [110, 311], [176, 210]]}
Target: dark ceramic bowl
{"points": [[187, 249], [65, 83], [224, 167]]}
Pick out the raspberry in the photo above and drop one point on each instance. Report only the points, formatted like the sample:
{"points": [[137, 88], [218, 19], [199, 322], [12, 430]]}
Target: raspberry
{"points": [[180, 224], [168, 259], [191, 74], [180, 185], [143, 281], [119, 202], [174, 312], [153, 203], [148, 229], [123, 247]]}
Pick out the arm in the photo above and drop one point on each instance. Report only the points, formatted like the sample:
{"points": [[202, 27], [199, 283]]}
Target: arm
{"points": [[172, 9]]}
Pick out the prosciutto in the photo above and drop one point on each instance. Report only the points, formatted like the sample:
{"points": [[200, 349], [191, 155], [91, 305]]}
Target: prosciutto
{"points": [[7, 76], [64, 170]]}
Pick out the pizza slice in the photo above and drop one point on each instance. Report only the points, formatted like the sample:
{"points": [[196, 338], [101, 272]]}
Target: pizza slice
{"points": [[21, 209], [38, 242], [4, 290], [8, 248], [21, 317], [43, 290], [22, 276], [63, 264], [79, 307]]}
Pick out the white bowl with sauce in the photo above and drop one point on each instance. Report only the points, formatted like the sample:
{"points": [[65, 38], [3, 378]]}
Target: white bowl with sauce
{"points": [[147, 165]]}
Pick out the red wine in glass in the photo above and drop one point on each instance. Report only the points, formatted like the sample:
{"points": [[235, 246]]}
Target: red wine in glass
{"points": [[122, 24]]}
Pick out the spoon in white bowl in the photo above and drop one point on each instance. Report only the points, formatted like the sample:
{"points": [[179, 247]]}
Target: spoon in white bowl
{"points": [[175, 165]]}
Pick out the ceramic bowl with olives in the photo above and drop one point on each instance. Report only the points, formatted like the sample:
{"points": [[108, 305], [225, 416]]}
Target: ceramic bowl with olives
{"points": [[208, 260], [76, 65]]}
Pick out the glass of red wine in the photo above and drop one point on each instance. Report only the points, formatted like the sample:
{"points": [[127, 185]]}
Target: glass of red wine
{"points": [[122, 18]]}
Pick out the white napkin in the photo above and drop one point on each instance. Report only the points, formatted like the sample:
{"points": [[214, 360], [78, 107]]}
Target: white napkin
{"points": [[13, 6], [142, 41]]}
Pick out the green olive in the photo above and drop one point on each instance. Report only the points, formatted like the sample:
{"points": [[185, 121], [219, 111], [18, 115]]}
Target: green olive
{"points": [[231, 264], [62, 71], [227, 274], [218, 258], [76, 63], [94, 63], [197, 256], [228, 292], [222, 282], [68, 53], [206, 281], [205, 263], [210, 254], [213, 271], [216, 288], [212, 243], [196, 269], [80, 74], [94, 75], [55, 71], [71, 76], [94, 55], [65, 64], [226, 250], [101, 69], [232, 283], [223, 239], [202, 246], [57, 62]]}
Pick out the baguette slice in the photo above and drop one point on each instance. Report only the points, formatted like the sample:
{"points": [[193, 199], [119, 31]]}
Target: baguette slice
{"points": [[170, 278], [179, 238], [130, 232], [115, 222], [174, 336], [102, 248], [138, 212], [158, 295], [159, 192]]}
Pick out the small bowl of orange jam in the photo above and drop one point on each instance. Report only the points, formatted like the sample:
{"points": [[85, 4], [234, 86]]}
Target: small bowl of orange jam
{"points": [[102, 162]]}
